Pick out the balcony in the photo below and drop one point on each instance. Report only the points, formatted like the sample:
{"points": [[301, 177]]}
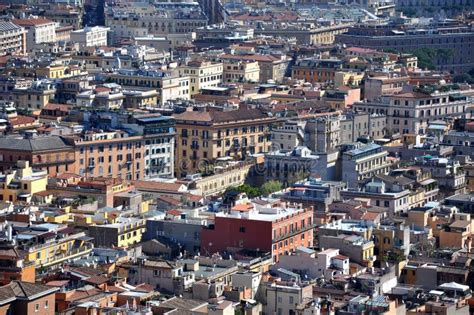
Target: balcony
{"points": [[72, 254], [195, 146], [292, 233], [194, 157]]}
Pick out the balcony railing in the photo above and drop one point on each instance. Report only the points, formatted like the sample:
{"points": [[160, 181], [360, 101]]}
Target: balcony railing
{"points": [[75, 253]]}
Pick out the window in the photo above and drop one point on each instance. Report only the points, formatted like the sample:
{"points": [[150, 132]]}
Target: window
{"points": [[37, 307], [242, 229], [291, 300], [386, 203], [46, 304]]}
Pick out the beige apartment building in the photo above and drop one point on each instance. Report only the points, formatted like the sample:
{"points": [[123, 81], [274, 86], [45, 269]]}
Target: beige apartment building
{"points": [[241, 71], [202, 74], [202, 137], [34, 97], [169, 85]]}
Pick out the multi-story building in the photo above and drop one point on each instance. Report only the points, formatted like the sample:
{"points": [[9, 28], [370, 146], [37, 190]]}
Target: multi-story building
{"points": [[457, 39], [358, 124], [411, 112], [394, 200], [49, 153], [64, 14], [241, 71], [39, 30], [278, 229], [28, 298], [289, 166], [314, 192], [34, 97], [378, 85], [13, 265], [448, 173], [167, 84], [123, 233], [22, 183], [205, 136], [140, 98], [109, 97], [112, 154], [289, 135], [284, 298], [322, 134], [46, 250], [159, 142], [161, 18], [202, 74], [90, 36], [316, 70], [271, 67], [358, 249], [12, 39], [304, 35], [363, 161]]}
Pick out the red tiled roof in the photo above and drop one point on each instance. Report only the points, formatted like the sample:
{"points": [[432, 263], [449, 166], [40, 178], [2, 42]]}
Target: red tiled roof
{"points": [[31, 21], [157, 186], [22, 120], [174, 212], [370, 216], [242, 207]]}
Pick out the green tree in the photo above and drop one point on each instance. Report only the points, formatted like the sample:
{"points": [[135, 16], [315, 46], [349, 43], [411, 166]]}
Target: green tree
{"points": [[271, 187], [251, 191]]}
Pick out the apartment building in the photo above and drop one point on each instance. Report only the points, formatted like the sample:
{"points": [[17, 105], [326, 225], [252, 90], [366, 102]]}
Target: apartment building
{"points": [[378, 85], [49, 153], [358, 249], [28, 298], [111, 154], [241, 71], [95, 36], [205, 136], [202, 74], [46, 250], [363, 161], [322, 134], [140, 98], [355, 124], [394, 200], [34, 97], [289, 166], [161, 18], [289, 135], [285, 297], [159, 141], [276, 228], [271, 67], [38, 30], [109, 96], [12, 39], [167, 84], [411, 112], [22, 183], [316, 70], [123, 233], [377, 35]]}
